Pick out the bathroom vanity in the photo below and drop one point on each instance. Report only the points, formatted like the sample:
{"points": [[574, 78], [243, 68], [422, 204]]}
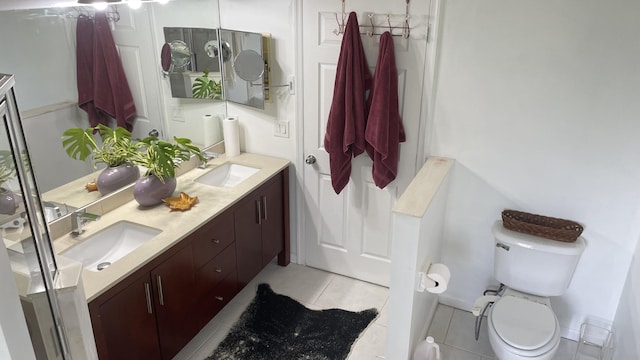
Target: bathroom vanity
{"points": [[150, 303]]}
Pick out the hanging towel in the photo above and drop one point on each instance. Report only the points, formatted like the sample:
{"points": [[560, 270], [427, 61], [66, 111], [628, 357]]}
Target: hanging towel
{"points": [[84, 70], [111, 93], [384, 131], [344, 137]]}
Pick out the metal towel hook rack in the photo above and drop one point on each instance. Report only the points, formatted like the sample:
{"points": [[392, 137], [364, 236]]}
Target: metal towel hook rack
{"points": [[371, 27], [340, 29]]}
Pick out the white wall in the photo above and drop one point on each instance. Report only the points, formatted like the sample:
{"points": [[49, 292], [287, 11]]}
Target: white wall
{"points": [[418, 226], [538, 103], [38, 50], [626, 327], [257, 126]]}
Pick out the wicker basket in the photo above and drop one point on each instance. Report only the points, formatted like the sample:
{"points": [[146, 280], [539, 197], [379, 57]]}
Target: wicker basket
{"points": [[543, 226]]}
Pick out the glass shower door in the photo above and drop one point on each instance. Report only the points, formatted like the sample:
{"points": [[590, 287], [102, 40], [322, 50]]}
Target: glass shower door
{"points": [[25, 236]]}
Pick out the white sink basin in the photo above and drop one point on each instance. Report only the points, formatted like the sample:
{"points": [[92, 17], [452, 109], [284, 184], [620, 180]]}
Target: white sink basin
{"points": [[227, 175], [107, 246]]}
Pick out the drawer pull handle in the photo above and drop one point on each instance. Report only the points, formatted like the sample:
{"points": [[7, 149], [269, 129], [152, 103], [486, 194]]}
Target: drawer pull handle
{"points": [[147, 290], [219, 298], [259, 208], [218, 270], [160, 293], [264, 208], [215, 241]]}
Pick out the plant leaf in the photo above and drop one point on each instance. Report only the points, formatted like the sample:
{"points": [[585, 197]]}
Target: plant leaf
{"points": [[79, 143]]}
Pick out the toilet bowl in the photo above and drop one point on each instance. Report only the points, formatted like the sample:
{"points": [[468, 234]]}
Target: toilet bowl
{"points": [[523, 327]]}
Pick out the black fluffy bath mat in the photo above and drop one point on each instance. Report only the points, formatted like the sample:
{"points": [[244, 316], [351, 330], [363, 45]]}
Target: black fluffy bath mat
{"points": [[277, 327]]}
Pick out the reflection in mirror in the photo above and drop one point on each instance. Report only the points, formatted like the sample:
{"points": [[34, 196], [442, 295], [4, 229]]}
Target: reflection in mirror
{"points": [[39, 47], [195, 63], [242, 71]]}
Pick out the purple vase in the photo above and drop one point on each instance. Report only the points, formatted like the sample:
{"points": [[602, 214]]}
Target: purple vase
{"points": [[114, 178], [8, 202], [149, 190]]}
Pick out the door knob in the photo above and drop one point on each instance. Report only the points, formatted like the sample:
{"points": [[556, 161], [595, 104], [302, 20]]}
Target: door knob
{"points": [[154, 132], [310, 160]]}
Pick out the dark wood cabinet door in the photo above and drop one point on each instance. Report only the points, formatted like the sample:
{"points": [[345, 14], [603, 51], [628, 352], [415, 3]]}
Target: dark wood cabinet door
{"points": [[174, 286], [272, 220], [246, 219], [125, 325]]}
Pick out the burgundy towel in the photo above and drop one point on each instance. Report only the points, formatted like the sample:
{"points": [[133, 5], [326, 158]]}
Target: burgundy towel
{"points": [[344, 137], [111, 93], [384, 131], [84, 70]]}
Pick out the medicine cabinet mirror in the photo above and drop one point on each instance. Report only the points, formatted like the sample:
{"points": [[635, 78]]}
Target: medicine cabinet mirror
{"points": [[192, 59]]}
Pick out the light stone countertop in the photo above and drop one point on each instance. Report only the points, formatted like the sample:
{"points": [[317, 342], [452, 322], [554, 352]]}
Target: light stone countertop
{"points": [[175, 225], [422, 189]]}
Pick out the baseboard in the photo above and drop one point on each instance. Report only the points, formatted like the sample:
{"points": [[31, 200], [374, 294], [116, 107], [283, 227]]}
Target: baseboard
{"points": [[454, 302]]}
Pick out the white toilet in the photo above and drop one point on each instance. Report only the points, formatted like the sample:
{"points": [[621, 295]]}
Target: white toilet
{"points": [[521, 323]]}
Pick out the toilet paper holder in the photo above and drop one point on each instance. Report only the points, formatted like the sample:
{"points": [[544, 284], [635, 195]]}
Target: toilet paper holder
{"points": [[425, 282]]}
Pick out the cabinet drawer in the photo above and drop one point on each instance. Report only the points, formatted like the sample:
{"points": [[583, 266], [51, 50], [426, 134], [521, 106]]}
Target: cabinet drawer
{"points": [[215, 300], [212, 273], [212, 238]]}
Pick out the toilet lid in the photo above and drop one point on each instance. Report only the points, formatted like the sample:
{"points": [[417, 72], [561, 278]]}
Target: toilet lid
{"points": [[523, 323]]}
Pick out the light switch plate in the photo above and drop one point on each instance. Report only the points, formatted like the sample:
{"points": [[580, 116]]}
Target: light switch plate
{"points": [[281, 128]]}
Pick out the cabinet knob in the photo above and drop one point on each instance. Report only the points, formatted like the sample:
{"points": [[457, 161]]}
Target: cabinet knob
{"points": [[219, 298], [218, 270], [215, 241]]}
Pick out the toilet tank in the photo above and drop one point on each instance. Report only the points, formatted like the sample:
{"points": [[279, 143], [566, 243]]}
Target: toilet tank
{"points": [[533, 264]]}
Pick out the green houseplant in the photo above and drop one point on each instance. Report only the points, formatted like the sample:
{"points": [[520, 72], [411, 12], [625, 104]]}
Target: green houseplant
{"points": [[205, 88], [160, 158], [8, 199], [116, 152]]}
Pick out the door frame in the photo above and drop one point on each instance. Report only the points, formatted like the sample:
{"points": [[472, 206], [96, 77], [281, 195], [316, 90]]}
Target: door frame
{"points": [[429, 90]]}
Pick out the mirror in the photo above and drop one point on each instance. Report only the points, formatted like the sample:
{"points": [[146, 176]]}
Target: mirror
{"points": [[243, 70], [39, 47], [249, 65], [194, 70]]}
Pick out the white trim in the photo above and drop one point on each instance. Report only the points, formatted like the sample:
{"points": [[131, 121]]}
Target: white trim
{"points": [[433, 57], [299, 162]]}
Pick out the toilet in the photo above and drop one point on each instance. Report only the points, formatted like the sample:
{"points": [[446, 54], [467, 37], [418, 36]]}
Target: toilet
{"points": [[521, 323]]}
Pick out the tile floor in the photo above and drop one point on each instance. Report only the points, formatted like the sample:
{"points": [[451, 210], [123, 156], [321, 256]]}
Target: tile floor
{"points": [[453, 329], [315, 289]]}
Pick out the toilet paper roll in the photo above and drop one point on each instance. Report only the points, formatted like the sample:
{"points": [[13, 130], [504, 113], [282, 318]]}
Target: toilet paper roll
{"points": [[212, 133], [231, 134], [440, 275]]}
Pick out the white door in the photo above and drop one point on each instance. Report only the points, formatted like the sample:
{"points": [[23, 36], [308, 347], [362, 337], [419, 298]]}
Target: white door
{"points": [[133, 37], [349, 234]]}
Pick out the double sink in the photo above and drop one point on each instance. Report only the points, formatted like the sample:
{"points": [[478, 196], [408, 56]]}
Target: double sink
{"points": [[100, 250]]}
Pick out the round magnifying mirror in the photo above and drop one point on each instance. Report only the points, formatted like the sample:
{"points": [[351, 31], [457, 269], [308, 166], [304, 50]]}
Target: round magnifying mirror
{"points": [[249, 65], [180, 54]]}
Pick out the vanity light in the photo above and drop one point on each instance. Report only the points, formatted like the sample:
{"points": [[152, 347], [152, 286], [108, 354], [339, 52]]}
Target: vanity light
{"points": [[103, 4], [100, 5], [134, 4]]}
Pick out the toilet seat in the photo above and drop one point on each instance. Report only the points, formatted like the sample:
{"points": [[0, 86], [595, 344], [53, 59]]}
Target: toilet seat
{"points": [[523, 323]]}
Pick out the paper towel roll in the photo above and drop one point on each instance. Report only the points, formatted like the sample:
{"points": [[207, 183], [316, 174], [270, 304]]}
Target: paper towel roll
{"points": [[440, 274], [212, 133], [231, 136]]}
